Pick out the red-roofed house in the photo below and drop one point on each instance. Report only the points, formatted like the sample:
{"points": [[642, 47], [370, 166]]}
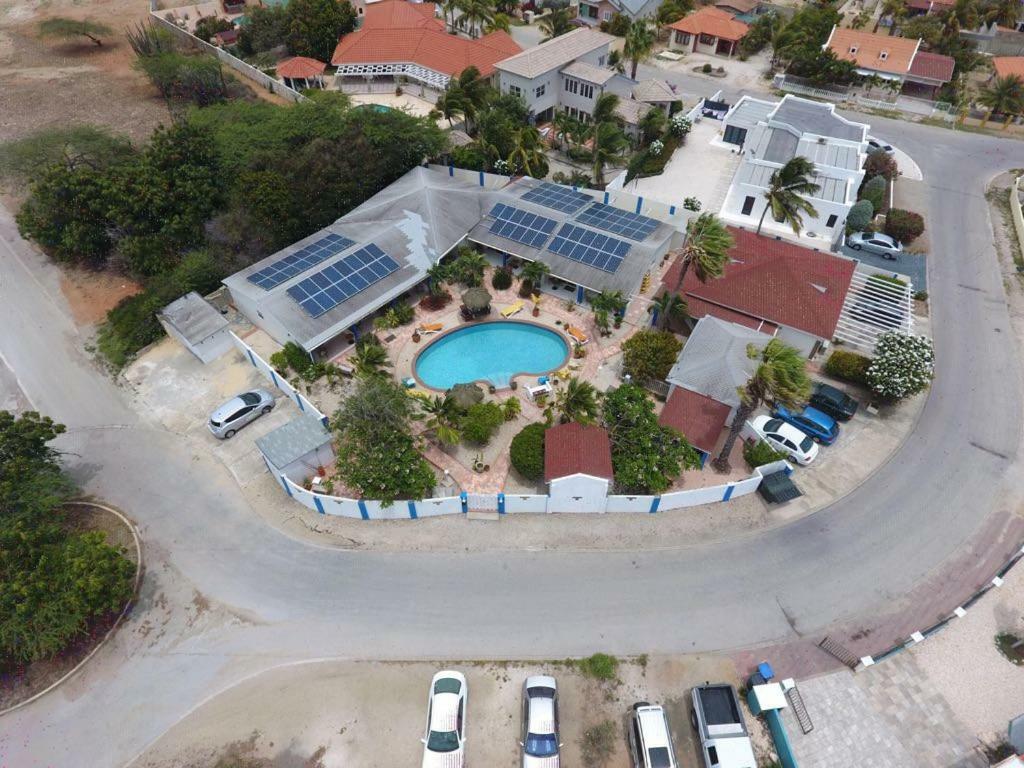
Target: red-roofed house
{"points": [[406, 40], [775, 287], [301, 72], [708, 30], [892, 58], [700, 419], [577, 467]]}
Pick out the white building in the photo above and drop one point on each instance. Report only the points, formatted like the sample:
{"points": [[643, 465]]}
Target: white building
{"points": [[768, 135], [200, 328], [577, 468]]}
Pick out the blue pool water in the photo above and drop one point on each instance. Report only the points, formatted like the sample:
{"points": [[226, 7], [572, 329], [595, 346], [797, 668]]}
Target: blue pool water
{"points": [[492, 352]]}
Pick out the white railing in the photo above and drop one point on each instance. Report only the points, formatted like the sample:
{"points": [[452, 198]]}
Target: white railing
{"points": [[277, 379]]}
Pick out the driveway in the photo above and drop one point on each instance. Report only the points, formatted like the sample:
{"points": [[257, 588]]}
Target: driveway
{"points": [[226, 597], [912, 265]]}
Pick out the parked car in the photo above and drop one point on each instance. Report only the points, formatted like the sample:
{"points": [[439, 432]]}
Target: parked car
{"points": [[833, 401], [650, 740], [239, 411], [540, 723], [877, 145], [444, 742], [721, 729], [877, 243], [785, 438], [820, 426]]}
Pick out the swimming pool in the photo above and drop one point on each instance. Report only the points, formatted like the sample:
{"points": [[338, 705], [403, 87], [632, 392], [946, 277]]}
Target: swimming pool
{"points": [[493, 352]]}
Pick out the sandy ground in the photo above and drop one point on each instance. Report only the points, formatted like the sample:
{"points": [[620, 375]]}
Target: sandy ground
{"points": [[90, 294], [372, 714]]}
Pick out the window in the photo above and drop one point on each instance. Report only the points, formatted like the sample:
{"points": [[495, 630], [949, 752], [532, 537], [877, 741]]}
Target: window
{"points": [[607, 15], [883, 55], [708, 39], [515, 90], [586, 90], [601, 60], [748, 205], [713, 755], [539, 90], [571, 86], [682, 38], [734, 135], [831, 221], [853, 49]]}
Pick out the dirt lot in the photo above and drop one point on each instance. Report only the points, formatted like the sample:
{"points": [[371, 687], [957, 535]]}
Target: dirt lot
{"points": [[371, 714]]}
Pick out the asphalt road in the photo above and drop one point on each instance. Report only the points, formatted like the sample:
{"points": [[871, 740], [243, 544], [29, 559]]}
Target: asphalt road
{"points": [[225, 596]]}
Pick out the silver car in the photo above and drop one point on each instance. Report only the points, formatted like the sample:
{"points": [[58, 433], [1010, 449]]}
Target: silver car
{"points": [[239, 411], [875, 242]]}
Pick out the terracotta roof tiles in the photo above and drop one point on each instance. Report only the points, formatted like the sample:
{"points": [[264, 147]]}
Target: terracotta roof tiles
{"points": [[711, 21], [571, 449], [700, 418]]}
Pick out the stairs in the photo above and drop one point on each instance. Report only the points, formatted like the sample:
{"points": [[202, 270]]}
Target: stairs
{"points": [[839, 651], [796, 702]]}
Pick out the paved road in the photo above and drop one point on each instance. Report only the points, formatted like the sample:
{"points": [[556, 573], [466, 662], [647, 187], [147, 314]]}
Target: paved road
{"points": [[225, 596]]}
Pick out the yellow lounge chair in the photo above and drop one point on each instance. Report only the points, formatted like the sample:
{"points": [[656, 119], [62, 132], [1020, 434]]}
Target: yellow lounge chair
{"points": [[430, 327], [512, 309], [577, 335]]}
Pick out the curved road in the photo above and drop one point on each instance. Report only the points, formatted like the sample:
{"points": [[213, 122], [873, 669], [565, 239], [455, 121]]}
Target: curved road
{"points": [[225, 596]]}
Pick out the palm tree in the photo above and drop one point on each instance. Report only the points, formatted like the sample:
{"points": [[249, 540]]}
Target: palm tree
{"points": [[555, 24], [609, 144], [706, 249], [476, 14], [1004, 95], [785, 193], [577, 402], [609, 301], [527, 154], [1005, 13], [895, 10], [473, 93], [639, 43], [370, 359], [533, 274], [669, 306], [451, 7], [499, 21], [653, 125], [564, 123], [437, 275], [604, 108], [442, 418], [468, 267], [450, 104], [780, 378]]}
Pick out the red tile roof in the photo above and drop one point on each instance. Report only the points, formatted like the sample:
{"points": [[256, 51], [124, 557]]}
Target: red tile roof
{"points": [[934, 66], [711, 21], [571, 449], [774, 280], [300, 67], [699, 308], [1008, 65], [399, 32], [700, 418]]}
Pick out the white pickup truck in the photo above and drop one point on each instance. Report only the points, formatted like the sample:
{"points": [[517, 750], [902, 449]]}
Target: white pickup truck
{"points": [[721, 730]]}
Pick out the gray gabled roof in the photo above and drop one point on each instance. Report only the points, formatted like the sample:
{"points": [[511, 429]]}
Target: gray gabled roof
{"points": [[581, 70], [193, 317], [714, 361], [289, 443], [555, 54]]}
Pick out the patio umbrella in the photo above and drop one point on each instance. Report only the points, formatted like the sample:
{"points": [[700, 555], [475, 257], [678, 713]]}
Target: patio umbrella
{"points": [[476, 299], [466, 395]]}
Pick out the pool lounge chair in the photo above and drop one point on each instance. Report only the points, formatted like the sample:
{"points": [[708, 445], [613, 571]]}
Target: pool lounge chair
{"points": [[577, 335], [512, 309], [426, 328]]}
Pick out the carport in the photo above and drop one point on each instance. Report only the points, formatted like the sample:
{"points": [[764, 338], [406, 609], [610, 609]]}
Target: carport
{"points": [[876, 303]]}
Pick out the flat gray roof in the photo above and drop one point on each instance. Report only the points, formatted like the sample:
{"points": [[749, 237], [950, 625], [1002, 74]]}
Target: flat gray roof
{"points": [[292, 441], [817, 118], [748, 112], [829, 188], [193, 317]]}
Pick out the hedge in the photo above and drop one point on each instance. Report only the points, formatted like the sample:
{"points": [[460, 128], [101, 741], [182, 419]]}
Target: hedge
{"points": [[905, 226], [860, 216], [527, 451], [760, 453], [848, 366], [501, 279], [874, 191], [482, 420]]}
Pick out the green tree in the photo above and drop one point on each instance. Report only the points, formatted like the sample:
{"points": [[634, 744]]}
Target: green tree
{"points": [[652, 126], [671, 11], [1004, 95], [315, 26], [609, 144], [532, 276], [476, 15], [208, 26], [69, 29], [805, 33], [32, 486], [649, 355], [762, 30], [610, 301], [370, 359], [266, 27], [786, 192], [780, 378], [903, 365], [451, 8], [527, 155], [639, 44], [1005, 13], [450, 104], [442, 418], [28, 158], [928, 28], [527, 451], [669, 306], [705, 250], [481, 421], [555, 24], [646, 456], [577, 401], [468, 267], [895, 11]]}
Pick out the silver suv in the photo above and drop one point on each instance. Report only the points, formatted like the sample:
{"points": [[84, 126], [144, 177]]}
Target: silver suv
{"points": [[239, 411], [650, 741], [877, 243]]}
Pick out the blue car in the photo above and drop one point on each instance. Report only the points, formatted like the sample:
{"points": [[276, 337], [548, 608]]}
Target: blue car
{"points": [[820, 426]]}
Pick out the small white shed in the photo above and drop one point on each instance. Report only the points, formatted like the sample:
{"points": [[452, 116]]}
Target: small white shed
{"points": [[577, 468], [200, 328], [297, 449]]}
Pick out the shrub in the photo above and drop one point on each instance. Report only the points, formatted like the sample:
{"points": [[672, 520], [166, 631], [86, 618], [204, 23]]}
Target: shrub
{"points": [[618, 25], [481, 422], [760, 453], [208, 26], [707, 69], [501, 279], [905, 226], [848, 366], [860, 216], [650, 355], [597, 745], [903, 365], [527, 451], [600, 666], [874, 191], [880, 164], [279, 362], [692, 204], [680, 125]]}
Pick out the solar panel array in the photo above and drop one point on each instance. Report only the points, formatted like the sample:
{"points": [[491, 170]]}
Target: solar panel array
{"points": [[340, 281], [521, 226], [558, 198], [589, 247], [618, 222], [295, 263]]}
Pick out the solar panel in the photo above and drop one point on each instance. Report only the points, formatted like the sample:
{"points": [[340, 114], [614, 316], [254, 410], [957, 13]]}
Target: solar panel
{"points": [[619, 222], [590, 248], [323, 291], [295, 263], [558, 198], [521, 226]]}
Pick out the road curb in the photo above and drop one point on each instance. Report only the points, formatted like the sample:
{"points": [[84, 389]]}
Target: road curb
{"points": [[139, 570]]}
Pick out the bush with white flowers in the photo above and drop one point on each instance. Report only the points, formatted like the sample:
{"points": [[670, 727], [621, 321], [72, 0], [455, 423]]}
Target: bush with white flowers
{"points": [[679, 124], [502, 167], [903, 365], [657, 146]]}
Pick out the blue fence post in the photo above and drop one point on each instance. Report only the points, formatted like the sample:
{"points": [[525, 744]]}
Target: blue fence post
{"points": [[579, 294], [728, 492], [298, 399], [451, 170], [285, 484], [412, 510], [655, 503], [671, 210], [501, 503], [273, 378], [464, 498], [504, 259], [363, 511], [654, 317], [355, 331], [251, 358], [607, 197], [639, 204], [481, 178], [319, 504]]}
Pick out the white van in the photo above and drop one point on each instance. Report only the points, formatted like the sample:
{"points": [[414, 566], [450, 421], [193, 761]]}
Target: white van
{"points": [[650, 741]]}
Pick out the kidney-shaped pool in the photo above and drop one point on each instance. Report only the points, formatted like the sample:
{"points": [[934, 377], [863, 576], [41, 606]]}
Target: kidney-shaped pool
{"points": [[493, 352]]}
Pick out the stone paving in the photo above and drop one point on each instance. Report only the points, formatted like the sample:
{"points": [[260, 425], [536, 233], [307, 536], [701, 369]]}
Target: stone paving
{"points": [[883, 717]]}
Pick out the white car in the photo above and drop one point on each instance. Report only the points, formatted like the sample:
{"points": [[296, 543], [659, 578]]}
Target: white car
{"points": [[785, 438], [444, 742], [650, 741], [540, 723], [877, 145]]}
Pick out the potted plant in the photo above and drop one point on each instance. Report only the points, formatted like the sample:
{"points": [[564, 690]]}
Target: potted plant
{"points": [[491, 388], [478, 463], [536, 304], [416, 337], [514, 384]]}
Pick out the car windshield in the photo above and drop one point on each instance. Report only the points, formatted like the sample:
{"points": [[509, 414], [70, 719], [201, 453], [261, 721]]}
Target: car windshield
{"points": [[659, 757], [250, 398], [772, 425], [541, 744], [805, 444], [443, 741]]}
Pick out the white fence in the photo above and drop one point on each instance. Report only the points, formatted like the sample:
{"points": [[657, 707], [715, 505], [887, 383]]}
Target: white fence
{"points": [[277, 380]]}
